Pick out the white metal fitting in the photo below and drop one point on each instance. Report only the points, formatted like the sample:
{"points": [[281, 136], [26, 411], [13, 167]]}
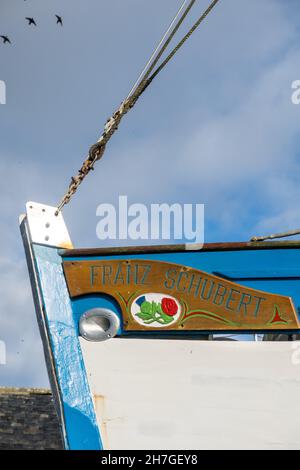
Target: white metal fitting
{"points": [[45, 227]]}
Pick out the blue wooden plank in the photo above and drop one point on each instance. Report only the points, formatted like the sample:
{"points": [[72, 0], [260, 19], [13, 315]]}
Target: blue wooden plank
{"points": [[79, 414], [265, 273]]}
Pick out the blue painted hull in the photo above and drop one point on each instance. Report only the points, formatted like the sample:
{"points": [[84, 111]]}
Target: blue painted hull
{"points": [[273, 268]]}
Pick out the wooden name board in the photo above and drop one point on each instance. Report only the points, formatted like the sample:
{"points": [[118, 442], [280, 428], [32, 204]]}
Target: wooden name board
{"points": [[156, 295]]}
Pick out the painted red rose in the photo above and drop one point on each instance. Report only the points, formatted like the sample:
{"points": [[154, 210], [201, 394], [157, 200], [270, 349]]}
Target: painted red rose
{"points": [[169, 306]]}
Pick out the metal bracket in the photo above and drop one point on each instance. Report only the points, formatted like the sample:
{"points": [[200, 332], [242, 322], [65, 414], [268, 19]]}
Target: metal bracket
{"points": [[45, 227], [99, 324]]}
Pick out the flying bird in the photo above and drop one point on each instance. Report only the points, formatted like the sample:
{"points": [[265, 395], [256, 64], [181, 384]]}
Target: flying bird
{"points": [[59, 20], [5, 39], [30, 21]]}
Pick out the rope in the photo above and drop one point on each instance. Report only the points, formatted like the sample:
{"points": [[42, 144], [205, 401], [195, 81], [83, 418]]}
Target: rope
{"points": [[97, 150], [181, 43], [144, 82], [276, 235], [142, 75]]}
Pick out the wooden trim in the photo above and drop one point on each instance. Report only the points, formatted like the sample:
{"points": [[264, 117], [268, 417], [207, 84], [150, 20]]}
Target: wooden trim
{"points": [[156, 294], [227, 246]]}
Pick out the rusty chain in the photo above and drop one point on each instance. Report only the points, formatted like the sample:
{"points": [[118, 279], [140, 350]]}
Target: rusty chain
{"points": [[97, 150]]}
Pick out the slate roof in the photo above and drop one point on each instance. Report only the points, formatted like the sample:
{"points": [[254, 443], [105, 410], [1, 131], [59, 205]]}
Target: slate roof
{"points": [[28, 420]]}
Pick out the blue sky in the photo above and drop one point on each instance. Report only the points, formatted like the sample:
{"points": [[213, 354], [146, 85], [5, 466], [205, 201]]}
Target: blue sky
{"points": [[217, 127]]}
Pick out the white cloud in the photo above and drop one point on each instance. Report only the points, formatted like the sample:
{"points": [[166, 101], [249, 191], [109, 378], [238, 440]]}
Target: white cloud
{"points": [[18, 328]]}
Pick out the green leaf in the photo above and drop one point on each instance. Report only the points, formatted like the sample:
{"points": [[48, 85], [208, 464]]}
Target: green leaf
{"points": [[144, 316], [146, 308], [152, 311], [166, 318]]}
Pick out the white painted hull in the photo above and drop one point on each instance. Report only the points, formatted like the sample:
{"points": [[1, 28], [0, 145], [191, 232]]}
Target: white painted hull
{"points": [[174, 394]]}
